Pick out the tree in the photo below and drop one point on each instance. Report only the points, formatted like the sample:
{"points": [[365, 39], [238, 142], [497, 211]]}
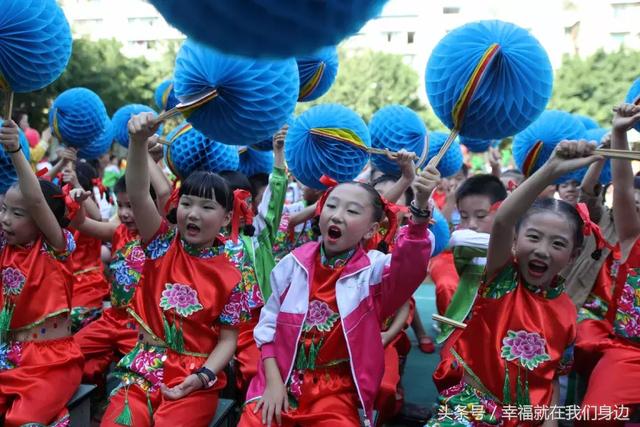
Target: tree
{"points": [[593, 85], [101, 67], [369, 80]]}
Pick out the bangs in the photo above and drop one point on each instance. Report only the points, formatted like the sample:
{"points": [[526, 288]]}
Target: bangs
{"points": [[208, 185]]}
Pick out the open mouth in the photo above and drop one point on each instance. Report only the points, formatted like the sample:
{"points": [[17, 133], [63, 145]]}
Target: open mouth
{"points": [[193, 229], [537, 268], [334, 232]]}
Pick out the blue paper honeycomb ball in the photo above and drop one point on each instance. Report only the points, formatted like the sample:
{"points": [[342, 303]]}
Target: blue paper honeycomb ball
{"points": [[165, 96], [477, 145], [513, 92], [396, 127], [309, 155], [191, 151], [317, 73], [269, 28], [551, 127], [255, 97], [253, 162], [120, 121], [587, 121], [100, 146], [452, 161], [267, 144], [441, 232], [77, 117], [7, 172], [35, 43]]}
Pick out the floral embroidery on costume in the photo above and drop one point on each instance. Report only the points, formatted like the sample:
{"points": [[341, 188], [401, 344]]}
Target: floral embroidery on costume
{"points": [[566, 361], [82, 316], [528, 348], [126, 268], [594, 308], [10, 355], [249, 284], [160, 245], [463, 405], [61, 255], [320, 316], [12, 281], [507, 281], [182, 298], [143, 366], [238, 307], [206, 252], [627, 321]]}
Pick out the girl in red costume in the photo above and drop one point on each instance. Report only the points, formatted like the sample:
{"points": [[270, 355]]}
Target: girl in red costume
{"points": [[522, 327], [319, 361], [188, 304], [40, 363]]}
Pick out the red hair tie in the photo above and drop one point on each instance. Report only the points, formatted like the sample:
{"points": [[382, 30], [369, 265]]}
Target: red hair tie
{"points": [[494, 207], [241, 209], [42, 172], [330, 183], [511, 185], [173, 198], [591, 227], [391, 211], [72, 206]]}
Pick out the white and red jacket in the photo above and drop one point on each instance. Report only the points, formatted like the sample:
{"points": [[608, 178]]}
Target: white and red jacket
{"points": [[371, 288]]}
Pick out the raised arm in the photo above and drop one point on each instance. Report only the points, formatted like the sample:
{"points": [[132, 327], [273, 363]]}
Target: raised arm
{"points": [[98, 229], [30, 188], [568, 156], [148, 220], [159, 181], [67, 155], [625, 216], [408, 169]]}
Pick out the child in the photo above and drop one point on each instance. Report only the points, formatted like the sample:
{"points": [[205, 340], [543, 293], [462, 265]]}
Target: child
{"points": [[328, 299], [114, 334], [519, 337], [615, 379], [187, 306], [569, 191], [253, 255], [477, 200], [40, 363]]}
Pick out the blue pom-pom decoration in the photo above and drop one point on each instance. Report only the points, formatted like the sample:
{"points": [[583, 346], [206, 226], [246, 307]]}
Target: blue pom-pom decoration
{"points": [[35, 43], [317, 73], [587, 121], [633, 95], [395, 127], [452, 161], [551, 127], [78, 117], [7, 172], [120, 121], [478, 145], [267, 144], [100, 146], [255, 97], [514, 90], [165, 96], [441, 232], [322, 142], [269, 28], [596, 135], [191, 151], [253, 162]]}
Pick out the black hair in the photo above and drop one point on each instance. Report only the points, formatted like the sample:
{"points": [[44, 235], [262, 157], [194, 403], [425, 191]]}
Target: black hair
{"points": [[121, 187], [207, 185], [85, 173], [408, 193], [17, 115], [376, 203], [482, 185], [239, 181], [559, 207], [258, 182], [55, 200], [465, 170]]}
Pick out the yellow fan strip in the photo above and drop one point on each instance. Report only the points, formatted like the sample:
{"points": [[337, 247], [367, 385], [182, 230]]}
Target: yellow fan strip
{"points": [[186, 128], [312, 84], [343, 135], [532, 159], [165, 95]]}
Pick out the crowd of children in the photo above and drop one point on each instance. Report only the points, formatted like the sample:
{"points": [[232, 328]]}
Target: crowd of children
{"points": [[304, 295]]}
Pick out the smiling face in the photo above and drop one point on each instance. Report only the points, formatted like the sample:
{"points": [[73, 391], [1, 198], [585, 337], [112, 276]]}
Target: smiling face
{"points": [[544, 245], [569, 192], [475, 213], [17, 225], [200, 220], [346, 219]]}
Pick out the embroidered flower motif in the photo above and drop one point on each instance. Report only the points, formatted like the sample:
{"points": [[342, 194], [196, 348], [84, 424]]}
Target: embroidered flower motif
{"points": [[12, 281], [66, 252], [237, 309], [10, 355], [148, 363], [320, 316], [127, 266], [182, 298], [627, 321], [160, 245], [143, 366], [295, 383], [529, 348]]}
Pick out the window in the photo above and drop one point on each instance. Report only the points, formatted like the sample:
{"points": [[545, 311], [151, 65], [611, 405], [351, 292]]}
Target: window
{"points": [[619, 38], [450, 10], [410, 36], [151, 21]]}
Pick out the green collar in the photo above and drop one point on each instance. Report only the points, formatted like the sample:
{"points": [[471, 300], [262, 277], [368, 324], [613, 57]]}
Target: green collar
{"points": [[337, 261]]}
